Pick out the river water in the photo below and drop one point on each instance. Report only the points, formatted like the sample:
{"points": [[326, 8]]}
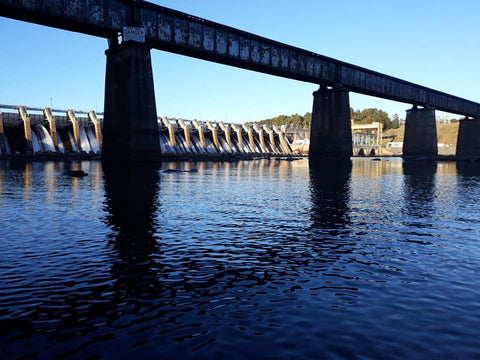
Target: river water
{"points": [[259, 259]]}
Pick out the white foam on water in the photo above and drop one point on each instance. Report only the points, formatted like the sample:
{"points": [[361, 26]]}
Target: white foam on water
{"points": [[246, 146], [210, 146], [61, 148], [84, 143], [224, 145], [72, 141], [35, 143], [44, 138], [198, 145], [93, 140], [179, 145], [165, 145]]}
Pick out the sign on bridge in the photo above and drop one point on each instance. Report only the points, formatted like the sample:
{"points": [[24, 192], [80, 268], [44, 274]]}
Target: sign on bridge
{"points": [[134, 34]]}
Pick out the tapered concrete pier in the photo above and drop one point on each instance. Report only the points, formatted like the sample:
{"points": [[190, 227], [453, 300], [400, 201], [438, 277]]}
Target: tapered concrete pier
{"points": [[420, 139], [331, 133], [130, 129]]}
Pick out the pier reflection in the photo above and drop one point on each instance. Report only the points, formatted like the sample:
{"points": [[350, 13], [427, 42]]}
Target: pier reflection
{"points": [[467, 182], [468, 169], [419, 188], [331, 234], [132, 203], [330, 193]]}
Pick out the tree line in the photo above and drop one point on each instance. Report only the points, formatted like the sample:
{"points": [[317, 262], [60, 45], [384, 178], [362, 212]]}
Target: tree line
{"points": [[365, 116]]}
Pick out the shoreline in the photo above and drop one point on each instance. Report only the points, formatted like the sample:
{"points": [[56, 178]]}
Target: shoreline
{"points": [[223, 157]]}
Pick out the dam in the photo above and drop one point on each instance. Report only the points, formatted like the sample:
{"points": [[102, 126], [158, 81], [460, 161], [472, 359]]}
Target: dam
{"points": [[37, 131]]}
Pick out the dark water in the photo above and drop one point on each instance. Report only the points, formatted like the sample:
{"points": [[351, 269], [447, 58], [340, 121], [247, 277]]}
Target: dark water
{"points": [[260, 259]]}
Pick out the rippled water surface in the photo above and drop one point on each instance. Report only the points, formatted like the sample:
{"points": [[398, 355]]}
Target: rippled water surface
{"points": [[259, 259]]}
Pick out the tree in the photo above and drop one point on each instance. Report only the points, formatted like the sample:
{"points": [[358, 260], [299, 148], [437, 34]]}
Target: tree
{"points": [[366, 116], [295, 120], [395, 121]]}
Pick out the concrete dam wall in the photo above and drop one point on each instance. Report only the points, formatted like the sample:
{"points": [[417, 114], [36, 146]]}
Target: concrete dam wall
{"points": [[35, 131]]}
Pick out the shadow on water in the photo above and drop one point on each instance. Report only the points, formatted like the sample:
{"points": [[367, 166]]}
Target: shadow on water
{"points": [[332, 239], [419, 188], [468, 169], [468, 178], [132, 203], [330, 192]]}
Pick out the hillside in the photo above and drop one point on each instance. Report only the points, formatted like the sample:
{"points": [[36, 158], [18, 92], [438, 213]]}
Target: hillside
{"points": [[446, 134]]}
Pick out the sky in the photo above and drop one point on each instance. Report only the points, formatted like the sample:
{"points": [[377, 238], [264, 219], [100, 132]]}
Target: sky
{"points": [[434, 43]]}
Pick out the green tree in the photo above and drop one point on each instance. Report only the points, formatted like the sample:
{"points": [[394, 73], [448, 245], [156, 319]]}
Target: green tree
{"points": [[366, 116], [395, 121]]}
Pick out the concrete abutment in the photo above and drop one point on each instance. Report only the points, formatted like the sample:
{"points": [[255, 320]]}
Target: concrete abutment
{"points": [[130, 129], [331, 133]]}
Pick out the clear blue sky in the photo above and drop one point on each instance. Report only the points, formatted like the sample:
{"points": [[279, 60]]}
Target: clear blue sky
{"points": [[435, 43]]}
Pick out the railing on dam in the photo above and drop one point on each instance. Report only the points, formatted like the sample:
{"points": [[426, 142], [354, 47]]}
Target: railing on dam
{"points": [[181, 33]]}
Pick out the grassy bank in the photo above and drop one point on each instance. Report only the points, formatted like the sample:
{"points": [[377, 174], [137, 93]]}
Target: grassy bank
{"points": [[446, 134]]}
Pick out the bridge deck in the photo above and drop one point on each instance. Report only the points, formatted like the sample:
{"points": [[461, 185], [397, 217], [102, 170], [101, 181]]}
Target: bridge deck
{"points": [[177, 32]]}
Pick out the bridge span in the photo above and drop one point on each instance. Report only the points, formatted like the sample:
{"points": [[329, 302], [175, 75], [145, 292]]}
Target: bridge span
{"points": [[129, 74]]}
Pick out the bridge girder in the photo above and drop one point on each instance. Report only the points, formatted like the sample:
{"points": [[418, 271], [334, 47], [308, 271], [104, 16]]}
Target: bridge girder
{"points": [[181, 33]]}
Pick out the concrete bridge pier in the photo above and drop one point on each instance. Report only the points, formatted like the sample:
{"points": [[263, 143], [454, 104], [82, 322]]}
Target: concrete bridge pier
{"points": [[468, 143], [331, 133], [3, 142], [420, 139], [130, 129]]}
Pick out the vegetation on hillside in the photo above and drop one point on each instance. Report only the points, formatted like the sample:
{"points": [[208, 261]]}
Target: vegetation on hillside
{"points": [[446, 134], [368, 116], [365, 116], [295, 120]]}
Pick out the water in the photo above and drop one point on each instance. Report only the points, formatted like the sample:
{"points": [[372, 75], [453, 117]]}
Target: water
{"points": [[259, 259]]}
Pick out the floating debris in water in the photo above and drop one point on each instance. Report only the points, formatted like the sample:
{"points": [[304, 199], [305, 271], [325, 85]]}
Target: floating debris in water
{"points": [[75, 173]]}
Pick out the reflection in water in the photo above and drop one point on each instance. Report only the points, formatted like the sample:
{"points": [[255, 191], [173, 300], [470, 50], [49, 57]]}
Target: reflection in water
{"points": [[331, 238], [330, 187], [419, 188], [366, 167], [259, 259], [468, 169], [131, 192], [447, 168], [132, 198], [468, 192]]}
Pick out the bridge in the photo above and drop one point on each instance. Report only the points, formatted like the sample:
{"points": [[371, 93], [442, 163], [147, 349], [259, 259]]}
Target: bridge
{"points": [[130, 119]]}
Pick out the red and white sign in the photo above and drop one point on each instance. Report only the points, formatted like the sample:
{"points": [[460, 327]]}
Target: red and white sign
{"points": [[134, 34]]}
